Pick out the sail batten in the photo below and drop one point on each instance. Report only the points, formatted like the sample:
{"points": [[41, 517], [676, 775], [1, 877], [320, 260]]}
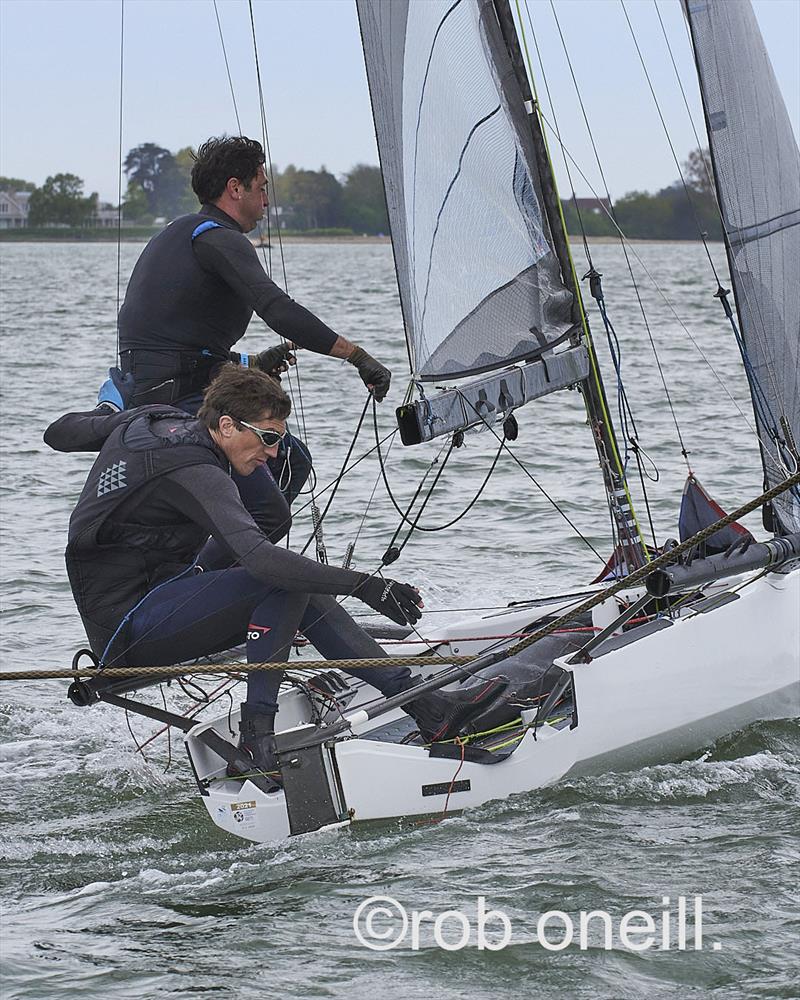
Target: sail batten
{"points": [[479, 283], [757, 175]]}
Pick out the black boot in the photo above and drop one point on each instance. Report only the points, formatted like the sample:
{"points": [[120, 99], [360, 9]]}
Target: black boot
{"points": [[441, 715], [257, 740]]}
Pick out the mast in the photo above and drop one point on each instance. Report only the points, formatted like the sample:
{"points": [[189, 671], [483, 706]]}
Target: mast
{"points": [[632, 547]]}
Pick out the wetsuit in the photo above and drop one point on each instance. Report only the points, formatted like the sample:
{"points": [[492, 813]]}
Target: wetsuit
{"points": [[159, 487], [194, 289], [190, 298]]}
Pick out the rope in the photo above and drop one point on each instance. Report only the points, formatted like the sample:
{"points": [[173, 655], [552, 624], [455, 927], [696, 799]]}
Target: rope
{"points": [[613, 470], [622, 241], [420, 661], [119, 162], [648, 272], [227, 68], [317, 532], [293, 370], [414, 525], [504, 447]]}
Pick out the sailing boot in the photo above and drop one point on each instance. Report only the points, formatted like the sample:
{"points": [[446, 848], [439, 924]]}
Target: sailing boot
{"points": [[257, 740], [441, 715]]}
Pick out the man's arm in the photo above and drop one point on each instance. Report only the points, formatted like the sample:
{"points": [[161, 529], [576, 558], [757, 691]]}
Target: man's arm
{"points": [[232, 257], [210, 498], [83, 431]]}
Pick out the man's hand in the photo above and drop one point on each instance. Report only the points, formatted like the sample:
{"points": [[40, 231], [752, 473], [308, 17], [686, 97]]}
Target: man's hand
{"points": [[375, 376], [117, 390], [399, 601], [275, 360]]}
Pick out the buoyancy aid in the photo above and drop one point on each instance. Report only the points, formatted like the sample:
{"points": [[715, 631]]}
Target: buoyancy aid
{"points": [[114, 557]]}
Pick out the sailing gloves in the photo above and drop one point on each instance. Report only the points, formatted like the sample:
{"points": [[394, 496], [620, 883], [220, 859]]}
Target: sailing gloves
{"points": [[117, 390], [398, 601], [275, 360], [373, 374]]}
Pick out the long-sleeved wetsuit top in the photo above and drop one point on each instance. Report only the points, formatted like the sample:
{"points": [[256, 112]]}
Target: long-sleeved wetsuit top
{"points": [[159, 487], [196, 286]]}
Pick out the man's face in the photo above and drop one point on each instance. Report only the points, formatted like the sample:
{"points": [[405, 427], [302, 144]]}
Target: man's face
{"points": [[242, 446], [253, 201]]}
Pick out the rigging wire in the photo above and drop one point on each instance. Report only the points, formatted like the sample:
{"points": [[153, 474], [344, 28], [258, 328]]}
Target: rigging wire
{"points": [[352, 547], [613, 473], [119, 161], [655, 283], [761, 405], [227, 68], [622, 241], [318, 525], [538, 486], [614, 531], [300, 409], [752, 378], [686, 188], [706, 165], [713, 189]]}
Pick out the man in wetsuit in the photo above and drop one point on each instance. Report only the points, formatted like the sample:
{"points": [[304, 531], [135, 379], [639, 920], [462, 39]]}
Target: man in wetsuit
{"points": [[192, 294], [158, 488]]}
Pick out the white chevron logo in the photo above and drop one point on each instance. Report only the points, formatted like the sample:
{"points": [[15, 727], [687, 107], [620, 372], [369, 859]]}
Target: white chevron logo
{"points": [[112, 479]]}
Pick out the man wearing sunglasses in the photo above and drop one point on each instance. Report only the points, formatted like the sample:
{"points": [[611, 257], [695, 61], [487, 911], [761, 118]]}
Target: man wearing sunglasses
{"points": [[190, 299], [160, 486]]}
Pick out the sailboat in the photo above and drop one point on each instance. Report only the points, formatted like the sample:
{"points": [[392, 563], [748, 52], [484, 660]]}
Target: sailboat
{"points": [[661, 656]]}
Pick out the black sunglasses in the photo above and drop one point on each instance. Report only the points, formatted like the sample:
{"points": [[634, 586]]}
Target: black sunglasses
{"points": [[268, 438]]}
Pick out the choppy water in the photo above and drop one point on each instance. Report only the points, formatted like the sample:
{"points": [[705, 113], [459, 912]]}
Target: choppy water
{"points": [[114, 884]]}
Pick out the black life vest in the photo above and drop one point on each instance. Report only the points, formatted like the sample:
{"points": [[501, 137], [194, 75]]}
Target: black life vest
{"points": [[112, 560]]}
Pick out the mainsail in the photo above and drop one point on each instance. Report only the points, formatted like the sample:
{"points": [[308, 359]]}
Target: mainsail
{"points": [[757, 172], [479, 284]]}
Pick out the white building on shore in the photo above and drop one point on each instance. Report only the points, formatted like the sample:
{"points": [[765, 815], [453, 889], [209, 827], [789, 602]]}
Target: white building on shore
{"points": [[14, 209]]}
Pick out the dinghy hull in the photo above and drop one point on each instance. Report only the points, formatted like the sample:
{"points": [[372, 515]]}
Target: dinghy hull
{"points": [[652, 694]]}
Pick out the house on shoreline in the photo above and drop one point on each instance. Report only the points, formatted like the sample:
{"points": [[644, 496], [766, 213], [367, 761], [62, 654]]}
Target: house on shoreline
{"points": [[14, 209]]}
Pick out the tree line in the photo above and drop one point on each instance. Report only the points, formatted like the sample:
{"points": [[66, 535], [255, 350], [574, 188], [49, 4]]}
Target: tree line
{"points": [[159, 186], [159, 189], [673, 213]]}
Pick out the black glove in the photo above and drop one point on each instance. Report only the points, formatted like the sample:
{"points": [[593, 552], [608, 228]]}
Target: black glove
{"points": [[275, 360], [398, 601], [117, 390], [374, 375]]}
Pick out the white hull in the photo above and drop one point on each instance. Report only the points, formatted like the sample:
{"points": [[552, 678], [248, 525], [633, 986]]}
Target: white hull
{"points": [[657, 697]]}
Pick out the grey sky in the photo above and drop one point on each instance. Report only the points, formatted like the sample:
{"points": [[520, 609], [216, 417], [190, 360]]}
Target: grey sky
{"points": [[59, 98]]}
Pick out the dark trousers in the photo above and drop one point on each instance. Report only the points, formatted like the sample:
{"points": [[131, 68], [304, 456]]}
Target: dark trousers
{"points": [[198, 615]]}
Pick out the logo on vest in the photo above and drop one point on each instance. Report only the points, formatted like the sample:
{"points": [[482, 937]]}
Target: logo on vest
{"points": [[112, 479]]}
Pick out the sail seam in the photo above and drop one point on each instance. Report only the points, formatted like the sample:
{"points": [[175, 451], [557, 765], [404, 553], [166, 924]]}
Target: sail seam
{"points": [[412, 244], [767, 227], [439, 214]]}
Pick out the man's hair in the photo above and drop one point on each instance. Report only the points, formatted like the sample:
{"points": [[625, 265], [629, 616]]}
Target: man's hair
{"points": [[243, 394], [219, 159]]}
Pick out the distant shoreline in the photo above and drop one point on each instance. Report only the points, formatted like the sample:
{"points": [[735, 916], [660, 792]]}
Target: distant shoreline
{"points": [[31, 237]]}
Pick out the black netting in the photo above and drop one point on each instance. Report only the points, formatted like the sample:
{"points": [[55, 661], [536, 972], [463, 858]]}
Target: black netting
{"points": [[479, 283]]}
